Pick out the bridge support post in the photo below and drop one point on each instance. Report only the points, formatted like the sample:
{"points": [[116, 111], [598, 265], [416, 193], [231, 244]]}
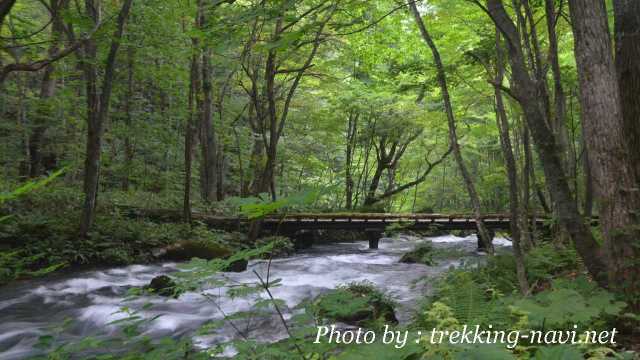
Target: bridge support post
{"points": [[374, 237]]}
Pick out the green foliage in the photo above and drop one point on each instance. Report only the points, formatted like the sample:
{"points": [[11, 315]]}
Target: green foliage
{"points": [[473, 296], [440, 316], [355, 303], [543, 263], [30, 187], [257, 207], [471, 302], [378, 350], [558, 352], [40, 238], [568, 302], [17, 264]]}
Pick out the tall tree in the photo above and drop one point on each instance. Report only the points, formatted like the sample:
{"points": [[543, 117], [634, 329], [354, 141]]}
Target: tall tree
{"points": [[129, 150], [559, 114], [526, 90], [627, 36], [483, 231], [512, 171], [271, 99], [97, 104], [614, 177], [208, 139], [47, 90], [352, 132]]}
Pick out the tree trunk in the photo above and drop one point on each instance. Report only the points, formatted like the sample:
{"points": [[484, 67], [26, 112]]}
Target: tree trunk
{"points": [[483, 232], [588, 181], [128, 144], [257, 163], [23, 169], [5, 8], [614, 177], [559, 118], [512, 172], [627, 35], [527, 178], [97, 108], [351, 136], [47, 90], [192, 115], [208, 136], [526, 93], [370, 198]]}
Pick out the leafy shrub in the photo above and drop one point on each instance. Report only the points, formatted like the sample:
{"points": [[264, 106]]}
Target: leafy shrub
{"points": [[470, 301], [473, 296], [578, 301], [543, 263]]}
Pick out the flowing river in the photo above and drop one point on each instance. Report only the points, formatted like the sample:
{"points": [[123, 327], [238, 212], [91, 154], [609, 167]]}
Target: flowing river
{"points": [[93, 299]]}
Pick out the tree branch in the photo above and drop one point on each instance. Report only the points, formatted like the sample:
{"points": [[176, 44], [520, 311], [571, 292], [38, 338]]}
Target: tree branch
{"points": [[421, 179], [40, 64]]}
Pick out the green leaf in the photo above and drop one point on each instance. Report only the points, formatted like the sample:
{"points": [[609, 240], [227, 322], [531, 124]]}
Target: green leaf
{"points": [[559, 352]]}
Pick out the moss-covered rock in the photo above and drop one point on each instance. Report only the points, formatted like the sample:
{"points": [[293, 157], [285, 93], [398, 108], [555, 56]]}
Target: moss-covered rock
{"points": [[189, 249], [282, 246], [358, 304], [422, 254], [461, 233], [163, 285], [237, 266]]}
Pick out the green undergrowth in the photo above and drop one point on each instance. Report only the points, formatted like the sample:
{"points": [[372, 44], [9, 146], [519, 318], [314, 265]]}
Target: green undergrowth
{"points": [[39, 235], [561, 298]]}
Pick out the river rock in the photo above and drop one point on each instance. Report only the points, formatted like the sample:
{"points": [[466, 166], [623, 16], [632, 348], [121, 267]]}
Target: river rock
{"points": [[304, 239], [189, 249], [461, 233], [422, 254], [282, 246], [237, 266], [358, 304], [162, 285]]}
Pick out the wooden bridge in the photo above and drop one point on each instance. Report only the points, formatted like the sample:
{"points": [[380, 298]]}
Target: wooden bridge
{"points": [[364, 221], [372, 224]]}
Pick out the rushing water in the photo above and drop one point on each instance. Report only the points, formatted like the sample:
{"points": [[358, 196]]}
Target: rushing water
{"points": [[93, 299]]}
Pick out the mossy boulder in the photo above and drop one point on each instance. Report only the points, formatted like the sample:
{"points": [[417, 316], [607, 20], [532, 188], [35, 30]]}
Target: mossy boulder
{"points": [[358, 304], [164, 286], [189, 249], [237, 266], [422, 254], [461, 233], [282, 246]]}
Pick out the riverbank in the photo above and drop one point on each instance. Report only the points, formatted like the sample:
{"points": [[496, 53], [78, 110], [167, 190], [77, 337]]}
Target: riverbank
{"points": [[232, 314], [94, 298]]}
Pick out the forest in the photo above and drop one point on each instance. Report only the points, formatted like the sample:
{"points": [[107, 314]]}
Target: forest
{"points": [[192, 179]]}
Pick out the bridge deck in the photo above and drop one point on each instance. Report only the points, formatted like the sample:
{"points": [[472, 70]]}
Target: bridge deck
{"points": [[382, 221], [347, 221]]}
